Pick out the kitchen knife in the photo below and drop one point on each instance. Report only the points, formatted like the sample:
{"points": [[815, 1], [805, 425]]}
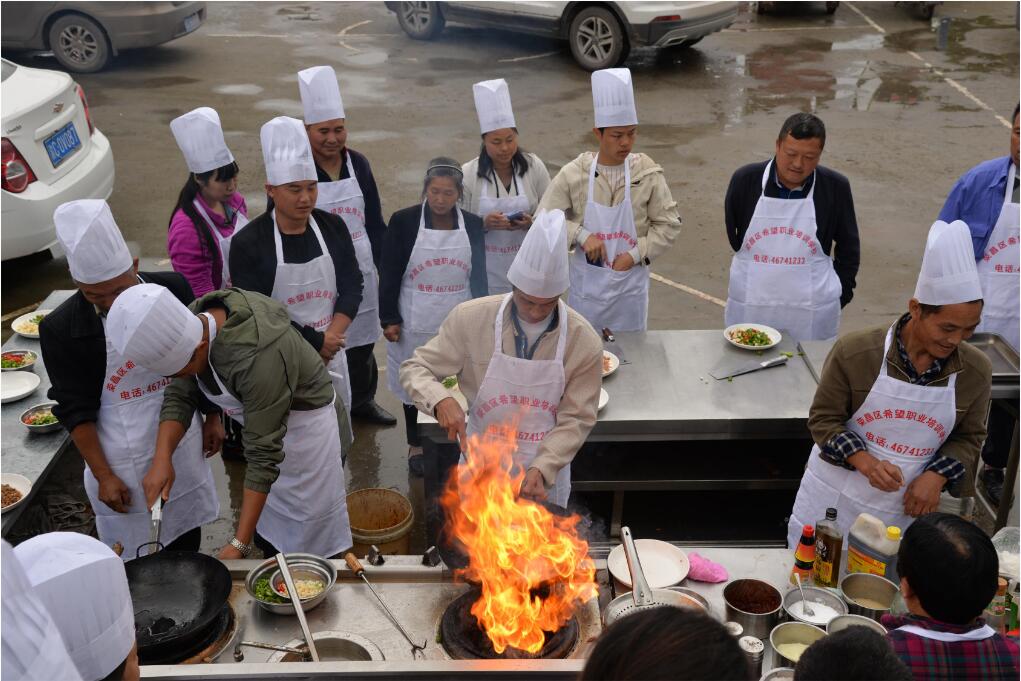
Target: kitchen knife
{"points": [[765, 364], [610, 345], [157, 522]]}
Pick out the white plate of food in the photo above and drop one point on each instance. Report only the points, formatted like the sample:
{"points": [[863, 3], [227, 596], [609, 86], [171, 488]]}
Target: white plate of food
{"points": [[664, 564], [604, 397], [752, 336], [610, 363], [17, 385], [17, 360], [27, 325], [14, 490]]}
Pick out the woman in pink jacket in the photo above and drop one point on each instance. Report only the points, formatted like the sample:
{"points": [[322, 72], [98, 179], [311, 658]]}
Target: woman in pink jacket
{"points": [[209, 209]]}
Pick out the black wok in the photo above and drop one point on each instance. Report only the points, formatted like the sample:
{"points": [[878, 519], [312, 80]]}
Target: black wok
{"points": [[176, 596]]}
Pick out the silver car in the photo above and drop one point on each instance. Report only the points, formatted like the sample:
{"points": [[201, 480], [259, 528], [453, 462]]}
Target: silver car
{"points": [[85, 36]]}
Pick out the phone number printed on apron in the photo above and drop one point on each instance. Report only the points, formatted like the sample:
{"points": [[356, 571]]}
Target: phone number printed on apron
{"points": [[781, 231], [908, 415], [148, 390], [439, 262], [310, 295], [431, 288], [115, 378], [348, 210], [503, 250], [778, 260], [522, 401], [620, 234]]}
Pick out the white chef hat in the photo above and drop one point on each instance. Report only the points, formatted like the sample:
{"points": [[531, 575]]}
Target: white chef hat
{"points": [[83, 584], [540, 267], [200, 137], [320, 94], [286, 152], [150, 326], [95, 248], [613, 98], [493, 105], [33, 649], [948, 273]]}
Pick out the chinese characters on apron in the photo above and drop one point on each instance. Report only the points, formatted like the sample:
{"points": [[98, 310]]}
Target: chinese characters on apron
{"points": [[344, 199], [605, 297], [528, 391], [999, 270], [899, 422], [781, 276], [435, 281], [222, 242], [127, 423], [306, 510], [501, 244]]}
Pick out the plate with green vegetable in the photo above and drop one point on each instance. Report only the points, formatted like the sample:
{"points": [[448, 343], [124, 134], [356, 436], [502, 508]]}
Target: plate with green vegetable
{"points": [[27, 325], [40, 418], [752, 336]]}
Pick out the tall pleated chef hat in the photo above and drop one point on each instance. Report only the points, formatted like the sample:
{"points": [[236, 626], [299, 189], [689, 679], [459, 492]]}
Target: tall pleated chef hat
{"points": [[82, 583], [320, 94], [95, 249], [948, 273], [540, 268], [493, 105], [33, 649], [200, 138], [286, 152], [149, 325], [613, 98]]}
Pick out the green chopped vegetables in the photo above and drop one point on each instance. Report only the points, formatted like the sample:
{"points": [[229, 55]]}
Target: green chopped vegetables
{"points": [[751, 337], [788, 355], [264, 592], [450, 382]]}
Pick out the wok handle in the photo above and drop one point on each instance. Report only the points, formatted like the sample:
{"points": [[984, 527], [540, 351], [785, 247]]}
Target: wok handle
{"points": [[138, 551], [640, 591], [353, 563]]}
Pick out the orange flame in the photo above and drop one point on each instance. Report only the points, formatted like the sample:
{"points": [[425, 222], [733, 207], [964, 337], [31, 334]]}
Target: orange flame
{"points": [[516, 547]]}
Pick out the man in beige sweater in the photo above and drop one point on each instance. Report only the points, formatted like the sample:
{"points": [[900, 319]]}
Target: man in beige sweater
{"points": [[545, 373], [620, 213]]}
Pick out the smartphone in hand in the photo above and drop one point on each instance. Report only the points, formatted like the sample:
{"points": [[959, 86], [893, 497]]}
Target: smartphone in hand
{"points": [[514, 217]]}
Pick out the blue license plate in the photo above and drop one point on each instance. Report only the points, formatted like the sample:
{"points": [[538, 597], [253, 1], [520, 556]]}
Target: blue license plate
{"points": [[191, 22], [62, 144]]}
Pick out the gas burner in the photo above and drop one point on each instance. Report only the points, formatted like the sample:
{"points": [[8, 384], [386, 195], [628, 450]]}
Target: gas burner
{"points": [[464, 639], [209, 644]]}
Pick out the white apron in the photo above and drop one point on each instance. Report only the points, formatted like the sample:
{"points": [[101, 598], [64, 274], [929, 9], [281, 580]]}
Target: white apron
{"points": [[605, 297], [435, 281], [127, 423], [308, 290], [528, 390], [344, 199], [222, 242], [999, 270], [502, 245], [306, 510], [902, 423], [781, 276], [980, 634]]}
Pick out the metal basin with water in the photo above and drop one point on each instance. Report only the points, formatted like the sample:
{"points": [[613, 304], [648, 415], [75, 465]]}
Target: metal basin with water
{"points": [[334, 646]]}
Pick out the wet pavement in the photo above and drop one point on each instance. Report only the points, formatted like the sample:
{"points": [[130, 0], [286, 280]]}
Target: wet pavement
{"points": [[904, 120]]}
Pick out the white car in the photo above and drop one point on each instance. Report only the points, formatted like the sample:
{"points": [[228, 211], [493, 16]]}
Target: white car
{"points": [[52, 153], [600, 34]]}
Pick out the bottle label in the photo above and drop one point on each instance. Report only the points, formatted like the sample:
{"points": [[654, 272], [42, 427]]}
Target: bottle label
{"points": [[859, 562], [823, 571]]}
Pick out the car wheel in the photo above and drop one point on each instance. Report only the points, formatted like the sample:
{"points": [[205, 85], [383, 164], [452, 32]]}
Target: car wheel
{"points": [[420, 20], [79, 44], [597, 39], [831, 7]]}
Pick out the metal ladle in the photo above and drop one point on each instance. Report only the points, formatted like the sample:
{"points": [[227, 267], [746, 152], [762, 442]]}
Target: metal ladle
{"points": [[296, 602]]}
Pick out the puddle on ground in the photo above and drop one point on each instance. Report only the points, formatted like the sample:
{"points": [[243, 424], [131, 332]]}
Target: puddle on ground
{"points": [[285, 107], [374, 58], [165, 81], [239, 89], [963, 43]]}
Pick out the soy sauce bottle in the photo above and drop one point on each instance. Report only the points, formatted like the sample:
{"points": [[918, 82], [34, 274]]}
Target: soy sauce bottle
{"points": [[829, 545]]}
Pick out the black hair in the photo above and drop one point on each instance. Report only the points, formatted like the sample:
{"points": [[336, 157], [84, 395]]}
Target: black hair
{"points": [[1017, 110], [928, 309], [853, 654], [666, 643], [186, 199], [939, 550], [444, 166], [519, 162], [803, 126]]}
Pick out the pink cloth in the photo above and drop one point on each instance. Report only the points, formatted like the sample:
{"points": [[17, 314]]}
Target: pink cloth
{"points": [[189, 254], [704, 570]]}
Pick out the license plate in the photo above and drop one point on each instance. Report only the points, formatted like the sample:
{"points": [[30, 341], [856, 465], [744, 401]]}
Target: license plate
{"points": [[191, 22], [62, 144]]}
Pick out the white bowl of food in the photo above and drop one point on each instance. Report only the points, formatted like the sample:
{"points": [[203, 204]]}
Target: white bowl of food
{"points": [[752, 336], [14, 490], [27, 325], [610, 363]]}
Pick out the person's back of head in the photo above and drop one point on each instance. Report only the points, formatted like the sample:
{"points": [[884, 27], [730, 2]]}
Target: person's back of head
{"points": [[853, 654], [949, 566], [666, 644]]}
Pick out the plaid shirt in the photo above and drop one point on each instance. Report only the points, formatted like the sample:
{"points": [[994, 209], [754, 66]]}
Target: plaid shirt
{"points": [[992, 658], [847, 443]]}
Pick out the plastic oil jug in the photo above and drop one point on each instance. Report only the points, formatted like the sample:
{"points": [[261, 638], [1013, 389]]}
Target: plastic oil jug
{"points": [[872, 547]]}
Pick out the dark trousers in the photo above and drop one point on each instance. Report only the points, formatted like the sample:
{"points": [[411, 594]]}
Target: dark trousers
{"points": [[268, 550], [1000, 430], [411, 425], [364, 373], [189, 541]]}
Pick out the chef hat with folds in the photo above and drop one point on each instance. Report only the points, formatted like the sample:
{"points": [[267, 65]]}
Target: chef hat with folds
{"points": [[948, 273], [286, 152], [33, 649], [95, 249], [320, 94], [493, 105], [613, 98], [540, 267], [82, 583], [149, 325], [200, 137]]}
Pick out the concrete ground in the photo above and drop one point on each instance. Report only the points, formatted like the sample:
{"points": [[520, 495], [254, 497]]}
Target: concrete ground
{"points": [[904, 121]]}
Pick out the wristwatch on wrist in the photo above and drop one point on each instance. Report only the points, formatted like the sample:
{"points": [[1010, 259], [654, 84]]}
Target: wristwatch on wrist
{"points": [[244, 548]]}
